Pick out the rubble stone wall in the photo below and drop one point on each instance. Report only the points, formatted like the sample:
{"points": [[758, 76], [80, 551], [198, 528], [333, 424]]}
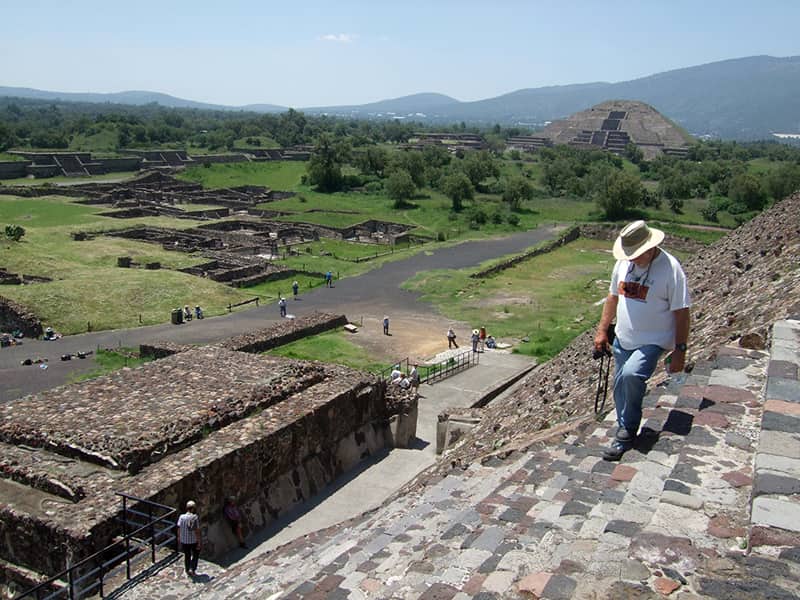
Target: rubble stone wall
{"points": [[13, 316], [285, 332], [570, 235], [276, 473]]}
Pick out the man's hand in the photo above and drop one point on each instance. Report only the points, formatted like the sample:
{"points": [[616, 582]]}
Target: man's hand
{"points": [[601, 341]]}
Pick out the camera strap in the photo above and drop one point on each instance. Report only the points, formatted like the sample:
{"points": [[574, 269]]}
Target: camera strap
{"points": [[602, 383]]}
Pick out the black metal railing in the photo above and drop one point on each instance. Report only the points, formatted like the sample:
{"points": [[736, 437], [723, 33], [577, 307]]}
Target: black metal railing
{"points": [[438, 371], [450, 366], [145, 525]]}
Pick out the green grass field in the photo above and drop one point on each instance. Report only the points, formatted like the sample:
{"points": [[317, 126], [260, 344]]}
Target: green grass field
{"points": [[112, 360], [121, 176], [332, 346], [284, 175], [89, 290], [549, 299]]}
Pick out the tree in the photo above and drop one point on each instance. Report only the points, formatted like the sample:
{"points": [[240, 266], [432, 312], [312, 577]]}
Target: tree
{"points": [[556, 174], [618, 193], [781, 182], [373, 161], [745, 190], [400, 187], [633, 153], [15, 232], [516, 190], [412, 162], [325, 166], [7, 138], [458, 188], [477, 166]]}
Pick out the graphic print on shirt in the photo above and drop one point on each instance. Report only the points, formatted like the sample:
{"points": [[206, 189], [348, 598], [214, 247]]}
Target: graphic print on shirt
{"points": [[633, 290]]}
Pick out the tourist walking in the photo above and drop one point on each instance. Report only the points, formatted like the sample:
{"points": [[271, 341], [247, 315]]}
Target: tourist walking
{"points": [[189, 538], [295, 289], [650, 299], [385, 325], [282, 306], [329, 279], [476, 337], [451, 339]]}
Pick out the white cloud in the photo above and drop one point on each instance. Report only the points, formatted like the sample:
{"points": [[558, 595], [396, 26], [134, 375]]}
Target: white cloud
{"points": [[343, 38]]}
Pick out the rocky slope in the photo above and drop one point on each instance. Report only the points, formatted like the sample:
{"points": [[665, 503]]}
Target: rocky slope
{"points": [[739, 286]]}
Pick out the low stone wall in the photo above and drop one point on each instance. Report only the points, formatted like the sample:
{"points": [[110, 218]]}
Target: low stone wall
{"points": [[162, 349], [13, 169], [44, 170], [115, 165], [288, 330], [610, 231], [13, 317], [570, 235], [219, 158]]}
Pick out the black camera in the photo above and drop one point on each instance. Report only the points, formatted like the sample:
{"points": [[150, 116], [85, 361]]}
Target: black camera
{"points": [[598, 354], [610, 334]]}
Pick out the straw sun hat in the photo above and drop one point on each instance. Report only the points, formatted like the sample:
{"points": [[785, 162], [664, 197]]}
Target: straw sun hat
{"points": [[636, 239]]}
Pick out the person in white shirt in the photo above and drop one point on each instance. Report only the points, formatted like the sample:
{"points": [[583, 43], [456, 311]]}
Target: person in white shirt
{"points": [[650, 299], [189, 537]]}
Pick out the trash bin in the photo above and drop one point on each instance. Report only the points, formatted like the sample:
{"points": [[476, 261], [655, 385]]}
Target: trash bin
{"points": [[177, 316]]}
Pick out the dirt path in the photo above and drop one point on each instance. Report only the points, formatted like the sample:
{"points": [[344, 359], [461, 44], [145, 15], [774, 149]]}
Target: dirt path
{"points": [[411, 336]]}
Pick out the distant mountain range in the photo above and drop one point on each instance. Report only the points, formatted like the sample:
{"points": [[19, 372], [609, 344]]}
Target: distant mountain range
{"points": [[134, 97], [744, 98]]}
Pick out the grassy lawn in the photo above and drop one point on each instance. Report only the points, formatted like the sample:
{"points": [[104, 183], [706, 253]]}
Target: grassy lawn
{"points": [[332, 346], [111, 360], [73, 300], [121, 176], [549, 299], [278, 175]]}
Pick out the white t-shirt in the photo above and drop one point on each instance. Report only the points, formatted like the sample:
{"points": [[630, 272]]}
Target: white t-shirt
{"points": [[645, 308]]}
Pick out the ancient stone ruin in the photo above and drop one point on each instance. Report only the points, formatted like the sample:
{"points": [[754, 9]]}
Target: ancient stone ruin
{"points": [[14, 317], [203, 423], [612, 125]]}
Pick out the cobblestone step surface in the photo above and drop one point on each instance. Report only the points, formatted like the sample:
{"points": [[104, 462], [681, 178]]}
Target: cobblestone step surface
{"points": [[672, 518]]}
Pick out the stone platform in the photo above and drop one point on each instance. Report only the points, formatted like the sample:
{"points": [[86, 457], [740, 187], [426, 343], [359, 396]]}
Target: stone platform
{"points": [[203, 424], [673, 518]]}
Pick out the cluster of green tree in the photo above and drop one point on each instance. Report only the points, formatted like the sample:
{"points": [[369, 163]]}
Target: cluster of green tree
{"points": [[31, 124], [718, 171], [403, 174]]}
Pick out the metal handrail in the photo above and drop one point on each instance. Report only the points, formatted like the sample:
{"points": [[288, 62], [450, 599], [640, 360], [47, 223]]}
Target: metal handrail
{"points": [[437, 371], [450, 366], [96, 575]]}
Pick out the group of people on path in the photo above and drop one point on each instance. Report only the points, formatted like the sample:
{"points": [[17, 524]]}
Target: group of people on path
{"points": [[479, 339], [411, 380], [187, 313]]}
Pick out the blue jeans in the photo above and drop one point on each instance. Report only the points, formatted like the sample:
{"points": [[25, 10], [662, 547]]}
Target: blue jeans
{"points": [[633, 369]]}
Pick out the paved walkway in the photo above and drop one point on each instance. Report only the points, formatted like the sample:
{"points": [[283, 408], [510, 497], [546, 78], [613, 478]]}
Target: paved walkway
{"points": [[557, 522], [374, 293]]}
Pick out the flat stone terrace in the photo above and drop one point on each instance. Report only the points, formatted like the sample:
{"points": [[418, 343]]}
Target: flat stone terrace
{"points": [[557, 522], [51, 499], [137, 416]]}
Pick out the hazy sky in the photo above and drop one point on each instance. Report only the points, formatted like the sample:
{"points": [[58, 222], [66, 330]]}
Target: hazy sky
{"points": [[315, 53]]}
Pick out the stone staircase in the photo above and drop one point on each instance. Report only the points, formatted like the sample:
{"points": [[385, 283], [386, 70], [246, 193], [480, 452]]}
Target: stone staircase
{"points": [[557, 522]]}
